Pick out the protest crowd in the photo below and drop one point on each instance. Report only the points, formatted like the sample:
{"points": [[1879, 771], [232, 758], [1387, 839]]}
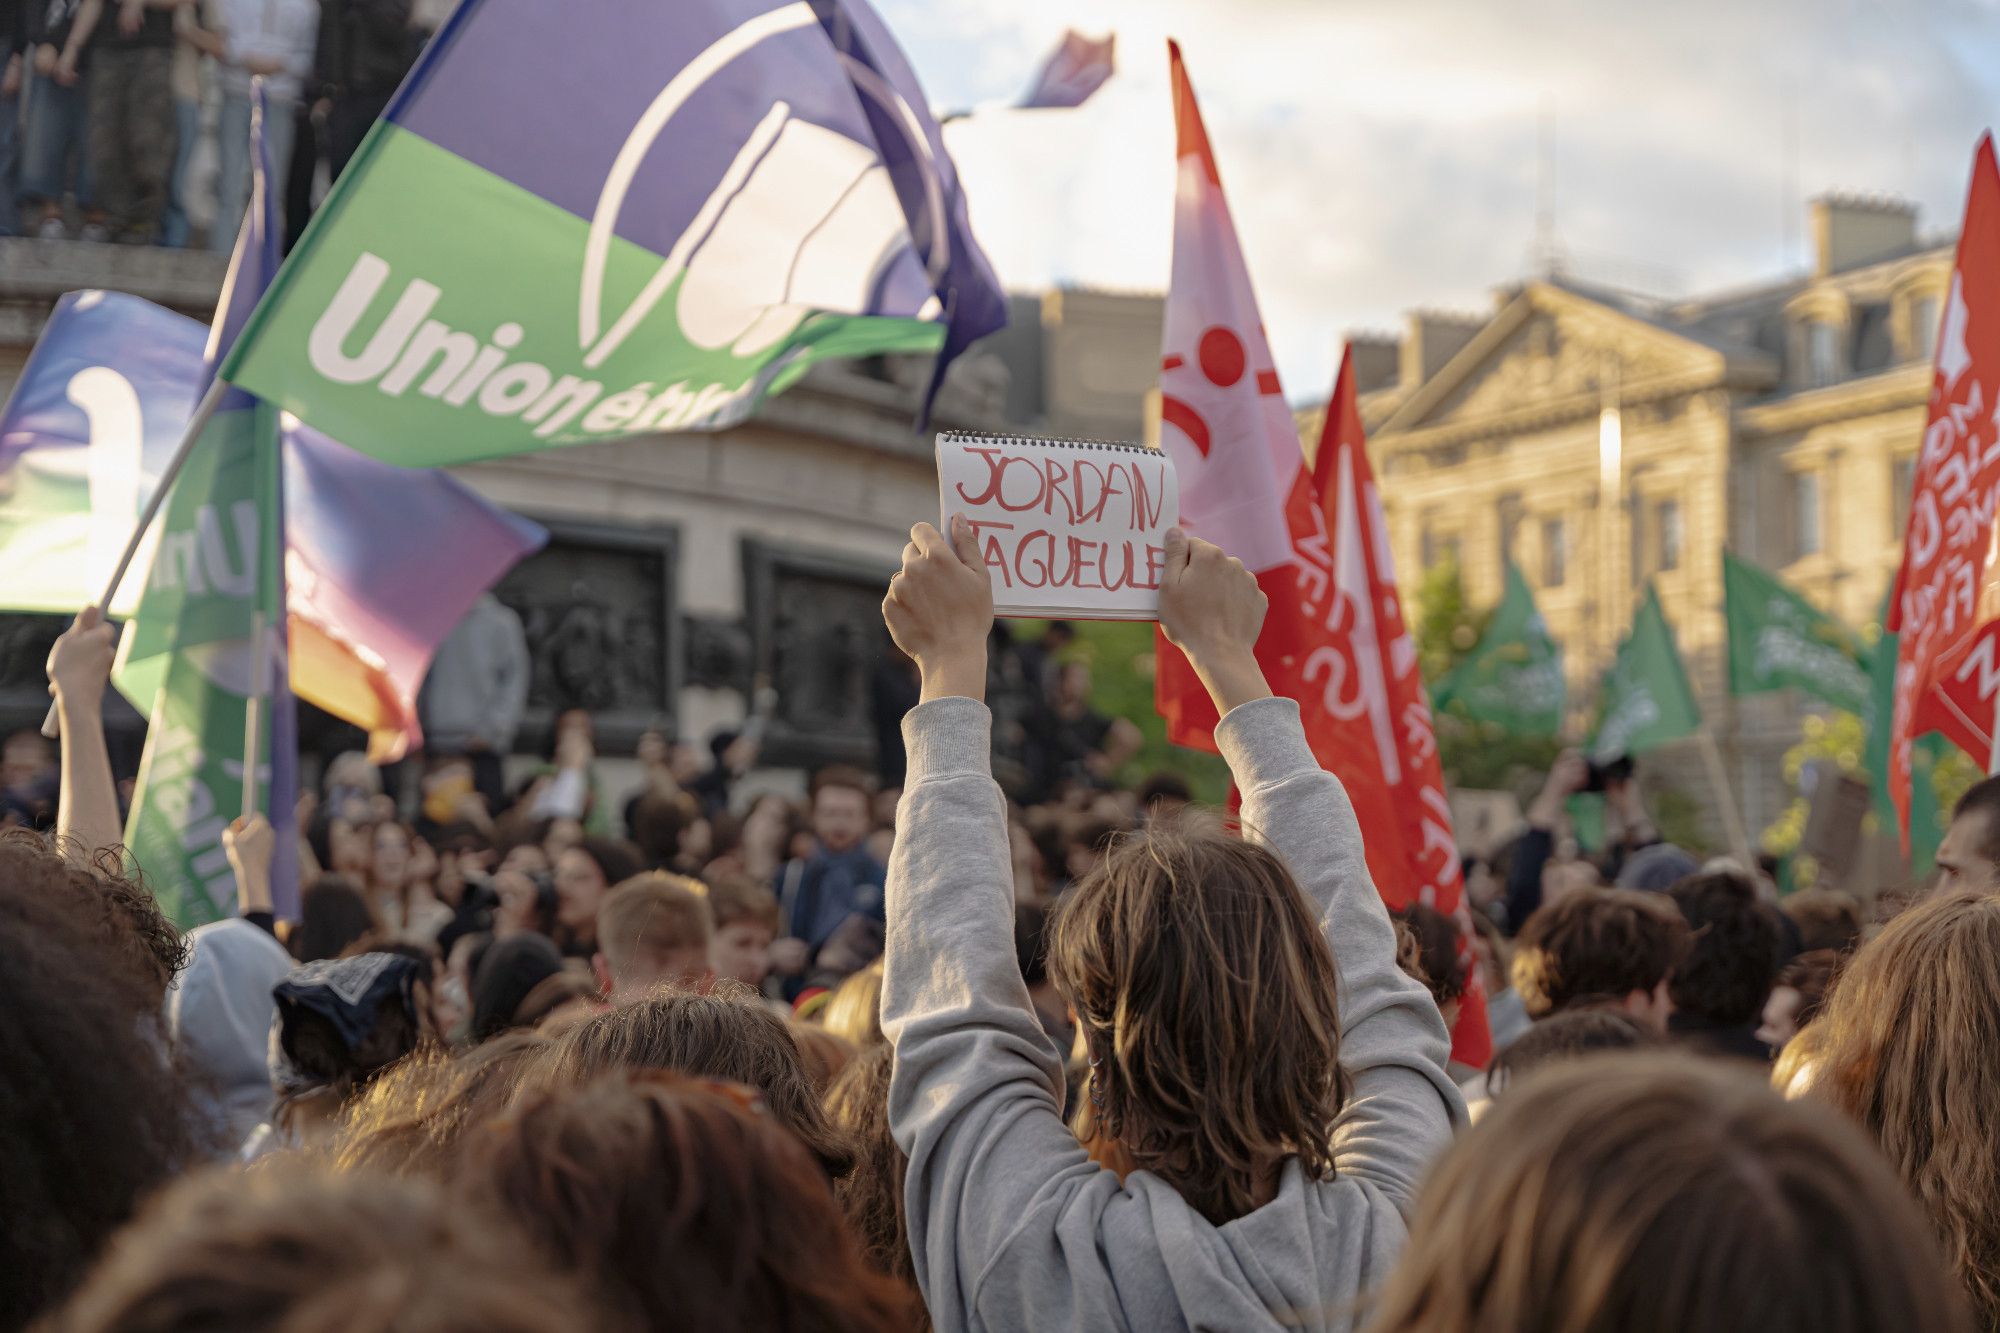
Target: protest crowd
{"points": [[919, 1052], [999, 1032]]}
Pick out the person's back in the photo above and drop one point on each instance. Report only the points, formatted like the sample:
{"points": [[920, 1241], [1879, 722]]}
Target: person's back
{"points": [[1633, 1193], [1271, 1137]]}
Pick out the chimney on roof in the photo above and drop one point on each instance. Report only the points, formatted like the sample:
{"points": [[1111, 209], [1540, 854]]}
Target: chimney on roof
{"points": [[1850, 230], [1433, 338], [1377, 358]]}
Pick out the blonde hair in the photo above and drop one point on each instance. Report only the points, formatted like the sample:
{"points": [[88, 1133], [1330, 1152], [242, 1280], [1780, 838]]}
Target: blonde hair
{"points": [[855, 1011], [1205, 991], [1642, 1193], [1905, 1045], [650, 919]]}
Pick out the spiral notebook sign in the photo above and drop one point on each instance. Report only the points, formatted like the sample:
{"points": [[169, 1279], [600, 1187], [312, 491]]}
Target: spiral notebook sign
{"points": [[1069, 528]]}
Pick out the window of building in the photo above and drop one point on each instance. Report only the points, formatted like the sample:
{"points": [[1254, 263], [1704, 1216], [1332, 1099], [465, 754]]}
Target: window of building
{"points": [[1668, 536], [1555, 553], [1805, 515], [1822, 354], [1924, 329], [1902, 485]]}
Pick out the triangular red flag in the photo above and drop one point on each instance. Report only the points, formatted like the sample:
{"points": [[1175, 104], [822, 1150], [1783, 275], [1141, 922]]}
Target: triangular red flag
{"points": [[1946, 606]]}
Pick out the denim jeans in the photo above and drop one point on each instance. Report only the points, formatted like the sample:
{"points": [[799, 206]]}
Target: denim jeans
{"points": [[132, 137], [174, 228], [10, 163], [55, 156], [232, 146]]}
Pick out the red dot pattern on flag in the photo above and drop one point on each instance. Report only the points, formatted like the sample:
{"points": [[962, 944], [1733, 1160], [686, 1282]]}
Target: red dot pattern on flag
{"points": [[1222, 356]]}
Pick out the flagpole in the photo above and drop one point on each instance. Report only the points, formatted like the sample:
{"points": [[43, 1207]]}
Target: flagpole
{"points": [[253, 711], [1732, 817], [196, 425]]}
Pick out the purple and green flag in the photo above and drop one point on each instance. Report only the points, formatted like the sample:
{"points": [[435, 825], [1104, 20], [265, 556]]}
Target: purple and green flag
{"points": [[607, 217]]}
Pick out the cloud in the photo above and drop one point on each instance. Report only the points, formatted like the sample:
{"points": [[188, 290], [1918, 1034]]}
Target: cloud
{"points": [[1382, 154]]}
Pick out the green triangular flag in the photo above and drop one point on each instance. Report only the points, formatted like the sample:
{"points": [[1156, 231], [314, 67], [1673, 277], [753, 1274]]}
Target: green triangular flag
{"points": [[1514, 677], [1777, 638], [1647, 699], [185, 660]]}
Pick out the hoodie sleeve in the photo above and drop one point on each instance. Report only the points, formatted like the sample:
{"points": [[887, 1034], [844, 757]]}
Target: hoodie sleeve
{"points": [[1393, 1044], [976, 1096]]}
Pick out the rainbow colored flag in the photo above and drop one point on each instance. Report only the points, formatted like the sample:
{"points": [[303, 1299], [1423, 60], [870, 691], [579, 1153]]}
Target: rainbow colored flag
{"points": [[606, 217]]}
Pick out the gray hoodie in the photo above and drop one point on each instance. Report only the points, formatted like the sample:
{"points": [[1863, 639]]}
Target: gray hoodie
{"points": [[219, 1012], [1012, 1227]]}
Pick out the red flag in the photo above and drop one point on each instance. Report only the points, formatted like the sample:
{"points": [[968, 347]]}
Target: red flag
{"points": [[1947, 601], [1334, 638], [1371, 697]]}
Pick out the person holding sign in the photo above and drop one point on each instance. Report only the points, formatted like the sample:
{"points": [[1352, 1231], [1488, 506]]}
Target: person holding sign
{"points": [[1272, 1136]]}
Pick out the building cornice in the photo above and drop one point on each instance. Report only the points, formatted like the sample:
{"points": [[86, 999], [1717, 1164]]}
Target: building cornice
{"points": [[1904, 386]]}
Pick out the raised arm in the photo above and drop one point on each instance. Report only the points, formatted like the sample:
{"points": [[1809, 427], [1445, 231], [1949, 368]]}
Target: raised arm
{"points": [[87, 805], [976, 1098], [1393, 1042]]}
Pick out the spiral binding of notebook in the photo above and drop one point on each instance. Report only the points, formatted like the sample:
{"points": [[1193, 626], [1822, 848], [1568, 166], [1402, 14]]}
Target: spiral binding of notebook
{"points": [[1077, 442]]}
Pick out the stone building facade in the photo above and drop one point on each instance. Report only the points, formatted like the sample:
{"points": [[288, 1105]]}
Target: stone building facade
{"points": [[1780, 422], [686, 571]]}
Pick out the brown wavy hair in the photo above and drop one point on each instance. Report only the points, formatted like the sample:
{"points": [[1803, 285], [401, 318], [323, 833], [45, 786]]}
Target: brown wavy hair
{"points": [[1905, 1045], [872, 1193], [290, 1247], [725, 1032], [1657, 1193], [410, 1121], [1596, 945], [1205, 991], [685, 1204]]}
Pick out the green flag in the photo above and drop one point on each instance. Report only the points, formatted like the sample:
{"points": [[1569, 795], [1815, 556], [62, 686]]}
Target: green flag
{"points": [[1647, 699], [1777, 638], [1927, 820], [186, 661], [1514, 677]]}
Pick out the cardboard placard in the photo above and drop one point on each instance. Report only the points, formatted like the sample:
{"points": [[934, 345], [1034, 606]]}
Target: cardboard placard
{"points": [[1074, 529]]}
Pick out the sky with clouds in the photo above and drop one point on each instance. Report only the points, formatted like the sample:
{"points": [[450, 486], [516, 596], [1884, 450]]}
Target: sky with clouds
{"points": [[1382, 155]]}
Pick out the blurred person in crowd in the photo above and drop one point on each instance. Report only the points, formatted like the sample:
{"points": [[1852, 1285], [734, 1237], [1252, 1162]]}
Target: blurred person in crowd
{"points": [[364, 49], [333, 914], [584, 874], [724, 1033], [1437, 962], [195, 46], [1272, 1121], [300, 1248], [683, 1204], [569, 790], [340, 1023], [219, 1017], [855, 1010], [528, 903], [1629, 828], [399, 885], [745, 915], [520, 982], [476, 692], [16, 62], [653, 930], [1601, 948], [1077, 744], [1557, 1038], [1905, 1045], [1652, 1193], [1722, 981], [871, 1195], [55, 143], [131, 45], [91, 1117], [1826, 919], [1506, 1013], [1163, 796], [1798, 996], [838, 884], [28, 777], [1968, 858]]}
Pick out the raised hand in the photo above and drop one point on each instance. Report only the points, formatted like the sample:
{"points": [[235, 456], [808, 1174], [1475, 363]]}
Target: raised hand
{"points": [[80, 662], [1212, 609], [940, 610]]}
